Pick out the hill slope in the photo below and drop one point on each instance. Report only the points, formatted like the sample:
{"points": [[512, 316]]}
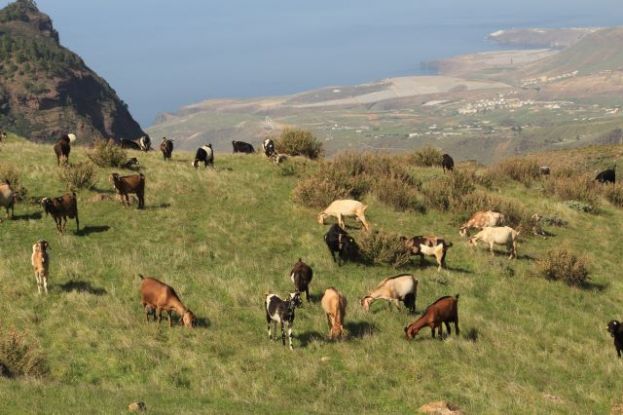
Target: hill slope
{"points": [[47, 90], [224, 237]]}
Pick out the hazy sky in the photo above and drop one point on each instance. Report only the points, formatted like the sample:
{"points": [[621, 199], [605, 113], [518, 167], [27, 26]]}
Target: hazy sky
{"points": [[159, 55]]}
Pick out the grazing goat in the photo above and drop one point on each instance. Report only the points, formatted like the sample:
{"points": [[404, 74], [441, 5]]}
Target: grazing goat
{"points": [[616, 331], [503, 235], [61, 208], [334, 305], [443, 311], [339, 242], [62, 148], [7, 199], [204, 154], [130, 184], [131, 164], [607, 176], [166, 146], [447, 163], [145, 143], [394, 289], [282, 311], [481, 219], [544, 170], [345, 208], [428, 245], [130, 144], [279, 158], [242, 147], [156, 296], [268, 146], [301, 275], [40, 261]]}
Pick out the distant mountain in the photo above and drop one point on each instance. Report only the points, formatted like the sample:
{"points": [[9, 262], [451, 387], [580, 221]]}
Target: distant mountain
{"points": [[47, 90], [540, 38]]}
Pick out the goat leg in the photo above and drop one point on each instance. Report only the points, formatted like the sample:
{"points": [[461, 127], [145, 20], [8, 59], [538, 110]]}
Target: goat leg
{"points": [[283, 334]]}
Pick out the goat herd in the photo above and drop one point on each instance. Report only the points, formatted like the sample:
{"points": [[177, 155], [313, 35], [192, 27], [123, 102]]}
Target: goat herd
{"points": [[157, 296]]}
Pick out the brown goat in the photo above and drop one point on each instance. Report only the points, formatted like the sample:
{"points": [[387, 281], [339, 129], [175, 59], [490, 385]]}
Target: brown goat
{"points": [[428, 245], [443, 311], [158, 296], [62, 148], [7, 199], [40, 261], [301, 275], [334, 305], [130, 184], [61, 208]]}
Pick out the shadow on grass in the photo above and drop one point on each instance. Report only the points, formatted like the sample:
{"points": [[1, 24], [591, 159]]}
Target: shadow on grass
{"points": [[159, 206], [526, 257], [82, 287], [105, 190], [359, 329], [594, 286], [459, 270], [28, 216], [202, 322], [314, 298], [87, 230], [308, 337]]}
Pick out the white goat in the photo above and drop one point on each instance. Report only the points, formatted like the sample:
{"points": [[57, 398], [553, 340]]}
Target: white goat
{"points": [[503, 235], [345, 208], [481, 219], [394, 289]]}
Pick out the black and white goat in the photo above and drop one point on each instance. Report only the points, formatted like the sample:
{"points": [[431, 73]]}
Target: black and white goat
{"points": [[268, 145], [282, 311], [204, 154], [615, 328]]}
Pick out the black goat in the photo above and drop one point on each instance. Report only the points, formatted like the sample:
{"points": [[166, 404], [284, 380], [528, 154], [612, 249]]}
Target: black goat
{"points": [[301, 275], [340, 242], [166, 146], [447, 163], [607, 176], [130, 144], [242, 147], [282, 311], [616, 331]]}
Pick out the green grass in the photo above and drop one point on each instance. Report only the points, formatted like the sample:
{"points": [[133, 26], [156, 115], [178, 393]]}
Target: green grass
{"points": [[224, 237]]}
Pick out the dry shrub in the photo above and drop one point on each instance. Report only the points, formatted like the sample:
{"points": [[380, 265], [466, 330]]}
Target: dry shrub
{"points": [[520, 170], [579, 188], [614, 194], [20, 356], [399, 195], [562, 265], [77, 176], [297, 142], [380, 247], [515, 213], [446, 192], [426, 157], [106, 153]]}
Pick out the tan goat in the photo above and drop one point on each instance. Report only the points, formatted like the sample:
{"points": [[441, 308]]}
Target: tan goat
{"points": [[334, 305], [157, 296], [481, 219], [345, 208], [41, 263]]}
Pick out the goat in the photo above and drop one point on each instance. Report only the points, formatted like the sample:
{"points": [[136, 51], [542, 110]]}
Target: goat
{"points": [[40, 261], [616, 331], [282, 311], [130, 144], [544, 170], [301, 275], [279, 158], [345, 208], [339, 242], [481, 219], [62, 148], [447, 163], [145, 143], [2, 134], [61, 208], [443, 311], [131, 164], [130, 184], [607, 176], [204, 154], [503, 235], [166, 146], [428, 245], [334, 305], [158, 296], [7, 198], [268, 145], [242, 147], [394, 289]]}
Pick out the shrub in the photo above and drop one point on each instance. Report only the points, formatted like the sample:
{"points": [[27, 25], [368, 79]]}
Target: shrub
{"points": [[379, 247], [10, 174], [581, 188], [562, 265], [77, 176], [580, 206], [20, 357], [399, 195], [614, 194], [106, 153], [447, 192], [426, 157], [297, 142], [519, 170]]}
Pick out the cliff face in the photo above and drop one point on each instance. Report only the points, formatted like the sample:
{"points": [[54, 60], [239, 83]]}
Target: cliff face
{"points": [[46, 90]]}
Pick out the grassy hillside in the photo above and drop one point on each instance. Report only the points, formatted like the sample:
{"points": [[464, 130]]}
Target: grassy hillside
{"points": [[224, 237]]}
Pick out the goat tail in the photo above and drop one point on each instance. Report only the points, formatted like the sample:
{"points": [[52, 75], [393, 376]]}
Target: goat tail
{"points": [[141, 276], [456, 297]]}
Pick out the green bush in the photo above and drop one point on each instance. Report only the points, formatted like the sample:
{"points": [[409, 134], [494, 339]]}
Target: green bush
{"points": [[426, 157], [399, 195], [106, 153], [297, 142], [578, 188], [19, 356], [447, 192], [77, 176], [380, 247], [562, 265], [520, 170]]}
